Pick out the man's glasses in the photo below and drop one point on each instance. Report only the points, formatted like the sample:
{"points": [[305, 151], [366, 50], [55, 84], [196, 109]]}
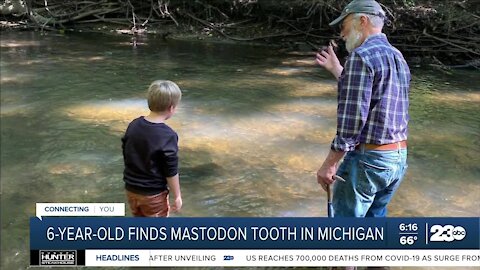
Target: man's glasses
{"points": [[344, 23]]}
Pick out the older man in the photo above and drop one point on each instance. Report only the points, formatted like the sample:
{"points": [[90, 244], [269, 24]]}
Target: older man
{"points": [[372, 115]]}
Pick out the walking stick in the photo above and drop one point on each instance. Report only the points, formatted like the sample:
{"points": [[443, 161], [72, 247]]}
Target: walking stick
{"points": [[330, 195], [329, 201]]}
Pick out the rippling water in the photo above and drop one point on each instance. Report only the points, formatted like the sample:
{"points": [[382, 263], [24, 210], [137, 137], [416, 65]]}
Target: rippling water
{"points": [[254, 127]]}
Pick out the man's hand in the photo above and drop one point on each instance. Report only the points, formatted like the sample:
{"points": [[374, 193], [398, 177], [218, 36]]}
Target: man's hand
{"points": [[329, 60], [325, 175]]}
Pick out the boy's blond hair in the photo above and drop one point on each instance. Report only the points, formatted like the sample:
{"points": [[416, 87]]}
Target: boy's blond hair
{"points": [[163, 94]]}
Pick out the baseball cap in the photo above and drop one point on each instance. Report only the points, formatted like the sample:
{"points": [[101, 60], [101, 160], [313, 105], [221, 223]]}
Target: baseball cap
{"points": [[360, 6]]}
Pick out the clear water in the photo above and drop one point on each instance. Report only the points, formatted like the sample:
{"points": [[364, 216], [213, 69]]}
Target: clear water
{"points": [[254, 127]]}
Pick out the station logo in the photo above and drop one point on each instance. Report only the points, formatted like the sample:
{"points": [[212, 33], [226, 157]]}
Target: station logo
{"points": [[447, 233], [228, 257], [58, 257]]}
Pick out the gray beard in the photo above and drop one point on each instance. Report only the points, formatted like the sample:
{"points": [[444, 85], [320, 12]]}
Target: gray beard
{"points": [[353, 40]]}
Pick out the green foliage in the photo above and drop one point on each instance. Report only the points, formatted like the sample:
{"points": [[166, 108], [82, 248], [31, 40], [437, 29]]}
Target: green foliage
{"points": [[13, 7], [409, 3]]}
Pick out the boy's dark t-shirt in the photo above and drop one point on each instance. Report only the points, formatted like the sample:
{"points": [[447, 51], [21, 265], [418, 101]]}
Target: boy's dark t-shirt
{"points": [[150, 156]]}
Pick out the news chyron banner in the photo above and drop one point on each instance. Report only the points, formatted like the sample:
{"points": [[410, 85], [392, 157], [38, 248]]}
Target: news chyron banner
{"points": [[90, 240]]}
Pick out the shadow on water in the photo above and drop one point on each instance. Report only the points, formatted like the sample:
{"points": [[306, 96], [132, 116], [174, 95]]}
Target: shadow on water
{"points": [[254, 127]]}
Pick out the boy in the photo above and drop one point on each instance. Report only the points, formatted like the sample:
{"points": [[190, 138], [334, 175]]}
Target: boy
{"points": [[150, 150]]}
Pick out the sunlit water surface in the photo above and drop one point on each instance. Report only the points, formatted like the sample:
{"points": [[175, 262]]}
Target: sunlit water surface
{"points": [[254, 127]]}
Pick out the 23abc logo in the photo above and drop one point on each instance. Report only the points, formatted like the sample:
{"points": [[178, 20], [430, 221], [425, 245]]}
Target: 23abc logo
{"points": [[228, 257], [447, 233]]}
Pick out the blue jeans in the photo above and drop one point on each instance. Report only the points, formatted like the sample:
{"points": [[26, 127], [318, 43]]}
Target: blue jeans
{"points": [[372, 177]]}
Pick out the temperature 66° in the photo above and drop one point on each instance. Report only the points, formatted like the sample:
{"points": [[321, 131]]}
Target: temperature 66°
{"points": [[408, 240]]}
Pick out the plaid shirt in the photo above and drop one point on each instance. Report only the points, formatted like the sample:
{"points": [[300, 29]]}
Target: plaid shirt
{"points": [[372, 96]]}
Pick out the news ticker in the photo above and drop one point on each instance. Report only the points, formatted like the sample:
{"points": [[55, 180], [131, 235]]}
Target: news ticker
{"points": [[122, 241]]}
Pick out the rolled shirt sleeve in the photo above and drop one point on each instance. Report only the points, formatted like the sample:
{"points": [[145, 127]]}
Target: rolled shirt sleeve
{"points": [[354, 96]]}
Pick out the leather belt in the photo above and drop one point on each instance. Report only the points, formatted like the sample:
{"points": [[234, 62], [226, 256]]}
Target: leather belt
{"points": [[383, 147]]}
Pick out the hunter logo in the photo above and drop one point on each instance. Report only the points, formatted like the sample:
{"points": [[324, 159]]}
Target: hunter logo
{"points": [[58, 257]]}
